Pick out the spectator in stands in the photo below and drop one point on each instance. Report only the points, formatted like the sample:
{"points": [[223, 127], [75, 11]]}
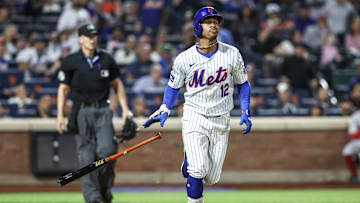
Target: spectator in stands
{"points": [[270, 32], [152, 83], [298, 72], [302, 19], [356, 77], [143, 62], [323, 99], [52, 71], [352, 37], [233, 6], [245, 28], [286, 47], [53, 48], [4, 56], [130, 19], [3, 111], [51, 6], [21, 97], [338, 13], [316, 111], [139, 107], [287, 102], [329, 51], [354, 96], [177, 12], [44, 107], [34, 60], [166, 60], [117, 40], [314, 35], [11, 36], [33, 8], [256, 101], [126, 55], [189, 38], [152, 15], [71, 18], [4, 18]]}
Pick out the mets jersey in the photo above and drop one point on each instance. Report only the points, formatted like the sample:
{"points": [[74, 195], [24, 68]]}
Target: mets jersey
{"points": [[209, 80]]}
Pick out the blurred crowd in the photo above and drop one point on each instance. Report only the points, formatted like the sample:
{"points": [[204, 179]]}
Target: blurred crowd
{"points": [[303, 57]]}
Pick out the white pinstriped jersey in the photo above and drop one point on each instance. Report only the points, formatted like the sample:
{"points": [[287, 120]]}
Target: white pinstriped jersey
{"points": [[209, 81]]}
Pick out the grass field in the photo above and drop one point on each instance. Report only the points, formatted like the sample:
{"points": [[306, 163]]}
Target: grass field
{"points": [[234, 196]]}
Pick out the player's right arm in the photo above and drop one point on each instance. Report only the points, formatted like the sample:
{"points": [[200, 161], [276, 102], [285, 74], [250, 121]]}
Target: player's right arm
{"points": [[64, 77], [176, 81], [63, 90]]}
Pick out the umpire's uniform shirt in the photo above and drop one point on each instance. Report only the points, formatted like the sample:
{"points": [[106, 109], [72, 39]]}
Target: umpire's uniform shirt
{"points": [[89, 80]]}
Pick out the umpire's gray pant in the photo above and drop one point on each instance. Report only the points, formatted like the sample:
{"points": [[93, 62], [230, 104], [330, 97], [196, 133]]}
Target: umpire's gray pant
{"points": [[95, 141]]}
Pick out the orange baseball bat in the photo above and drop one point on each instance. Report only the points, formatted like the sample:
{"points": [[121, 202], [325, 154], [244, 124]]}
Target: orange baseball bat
{"points": [[71, 176]]}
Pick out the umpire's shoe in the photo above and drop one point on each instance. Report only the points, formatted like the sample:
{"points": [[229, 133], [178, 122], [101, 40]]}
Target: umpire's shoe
{"points": [[184, 166]]}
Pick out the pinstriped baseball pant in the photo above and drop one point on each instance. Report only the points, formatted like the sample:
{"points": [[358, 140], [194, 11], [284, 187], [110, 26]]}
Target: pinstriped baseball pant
{"points": [[205, 140]]}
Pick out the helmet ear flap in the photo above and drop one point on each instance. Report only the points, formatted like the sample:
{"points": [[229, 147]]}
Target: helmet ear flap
{"points": [[197, 29]]}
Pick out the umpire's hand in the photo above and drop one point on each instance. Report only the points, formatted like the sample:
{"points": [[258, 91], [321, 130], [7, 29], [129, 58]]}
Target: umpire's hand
{"points": [[60, 124], [245, 119]]}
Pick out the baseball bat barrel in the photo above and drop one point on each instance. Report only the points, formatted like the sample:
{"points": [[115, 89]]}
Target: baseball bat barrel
{"points": [[71, 176]]}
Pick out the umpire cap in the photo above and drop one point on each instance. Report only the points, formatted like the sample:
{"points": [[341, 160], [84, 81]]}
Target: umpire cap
{"points": [[87, 30]]}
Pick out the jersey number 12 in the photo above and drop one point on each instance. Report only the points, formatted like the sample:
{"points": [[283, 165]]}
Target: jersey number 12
{"points": [[224, 90]]}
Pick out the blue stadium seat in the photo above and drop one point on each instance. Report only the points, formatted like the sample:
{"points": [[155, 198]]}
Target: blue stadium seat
{"points": [[270, 112], [11, 78]]}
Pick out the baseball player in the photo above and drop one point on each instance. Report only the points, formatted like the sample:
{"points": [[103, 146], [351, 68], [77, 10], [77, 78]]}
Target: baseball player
{"points": [[352, 149], [209, 70]]}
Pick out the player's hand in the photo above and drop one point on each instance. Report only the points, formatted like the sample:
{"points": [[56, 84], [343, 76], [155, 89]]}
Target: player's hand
{"points": [[60, 124], [158, 116], [245, 119]]}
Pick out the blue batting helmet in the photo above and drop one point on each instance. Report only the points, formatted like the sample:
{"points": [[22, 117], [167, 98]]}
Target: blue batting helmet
{"points": [[203, 13]]}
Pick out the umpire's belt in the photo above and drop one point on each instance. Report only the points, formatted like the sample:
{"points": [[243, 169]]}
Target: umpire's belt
{"points": [[97, 104]]}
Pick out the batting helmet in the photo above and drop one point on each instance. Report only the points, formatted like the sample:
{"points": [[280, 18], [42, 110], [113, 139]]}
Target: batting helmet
{"points": [[201, 14]]}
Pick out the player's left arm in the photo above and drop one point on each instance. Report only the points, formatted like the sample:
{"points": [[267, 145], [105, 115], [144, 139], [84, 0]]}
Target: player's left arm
{"points": [[244, 91]]}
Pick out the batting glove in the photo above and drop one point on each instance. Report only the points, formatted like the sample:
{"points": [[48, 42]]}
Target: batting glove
{"points": [[158, 116], [245, 119]]}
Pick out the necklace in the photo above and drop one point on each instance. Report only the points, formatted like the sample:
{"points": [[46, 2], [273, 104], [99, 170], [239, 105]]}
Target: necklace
{"points": [[206, 47]]}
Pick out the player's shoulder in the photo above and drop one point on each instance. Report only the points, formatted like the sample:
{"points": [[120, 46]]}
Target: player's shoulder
{"points": [[184, 55], [228, 48]]}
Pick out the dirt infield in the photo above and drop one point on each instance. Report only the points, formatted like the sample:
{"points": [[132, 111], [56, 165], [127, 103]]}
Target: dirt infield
{"points": [[267, 186]]}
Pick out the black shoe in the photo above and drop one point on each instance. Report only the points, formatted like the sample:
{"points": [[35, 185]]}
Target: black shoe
{"points": [[354, 179]]}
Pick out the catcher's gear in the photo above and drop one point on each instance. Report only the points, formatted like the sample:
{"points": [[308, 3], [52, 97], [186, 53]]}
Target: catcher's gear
{"points": [[129, 130], [201, 14], [245, 118], [159, 115]]}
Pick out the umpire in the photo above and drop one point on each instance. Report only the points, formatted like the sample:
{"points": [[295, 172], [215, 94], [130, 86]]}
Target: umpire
{"points": [[87, 74]]}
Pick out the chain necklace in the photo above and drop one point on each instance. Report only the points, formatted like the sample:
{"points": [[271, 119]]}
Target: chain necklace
{"points": [[206, 47]]}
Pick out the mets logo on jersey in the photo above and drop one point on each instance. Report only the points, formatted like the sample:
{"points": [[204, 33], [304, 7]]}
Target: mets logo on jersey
{"points": [[198, 78]]}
